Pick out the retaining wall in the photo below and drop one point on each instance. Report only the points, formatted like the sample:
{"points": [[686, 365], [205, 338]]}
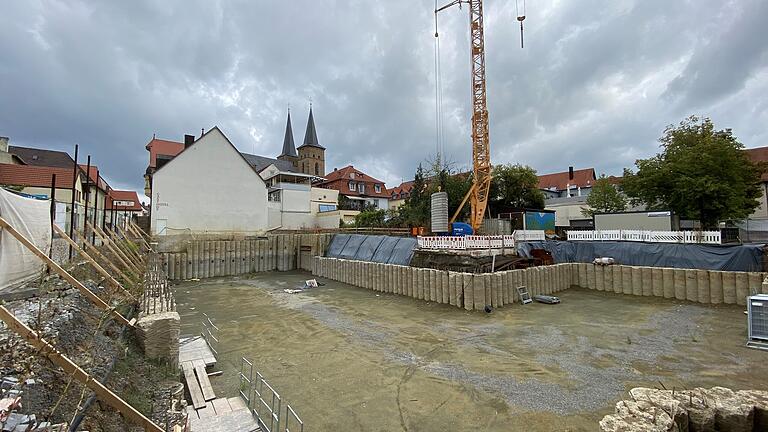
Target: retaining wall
{"points": [[700, 286], [213, 258], [475, 291], [464, 290]]}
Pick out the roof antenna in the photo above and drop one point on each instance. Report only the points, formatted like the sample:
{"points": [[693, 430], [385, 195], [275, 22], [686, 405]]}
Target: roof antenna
{"points": [[202, 132], [520, 18]]}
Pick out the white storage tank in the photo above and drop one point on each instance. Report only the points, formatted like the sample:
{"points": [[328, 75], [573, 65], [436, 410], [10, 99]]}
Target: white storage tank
{"points": [[440, 212]]}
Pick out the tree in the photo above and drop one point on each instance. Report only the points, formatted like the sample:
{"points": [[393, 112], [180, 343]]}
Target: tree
{"points": [[515, 186], [604, 198], [701, 174], [370, 217], [415, 209]]}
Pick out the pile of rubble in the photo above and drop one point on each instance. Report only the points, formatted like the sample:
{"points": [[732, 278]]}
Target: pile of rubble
{"points": [[715, 409], [11, 420]]}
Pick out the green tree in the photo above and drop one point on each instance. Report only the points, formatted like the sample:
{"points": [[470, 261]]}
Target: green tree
{"points": [[701, 174], [370, 217], [415, 209], [515, 186], [604, 198]]}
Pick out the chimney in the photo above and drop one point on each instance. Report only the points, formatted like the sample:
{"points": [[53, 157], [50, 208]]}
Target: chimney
{"points": [[570, 173], [3, 144], [188, 140]]}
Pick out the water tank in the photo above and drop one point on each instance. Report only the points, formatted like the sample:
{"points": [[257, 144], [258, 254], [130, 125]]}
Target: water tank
{"points": [[440, 212]]}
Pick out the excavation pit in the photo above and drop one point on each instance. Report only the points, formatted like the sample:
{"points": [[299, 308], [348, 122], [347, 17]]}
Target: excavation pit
{"points": [[353, 359]]}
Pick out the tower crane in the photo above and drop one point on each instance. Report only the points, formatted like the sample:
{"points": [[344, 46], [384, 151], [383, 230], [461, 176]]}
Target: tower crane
{"points": [[481, 154]]}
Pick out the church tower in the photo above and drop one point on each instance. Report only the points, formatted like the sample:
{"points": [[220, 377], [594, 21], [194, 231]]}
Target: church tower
{"points": [[289, 148], [311, 153]]}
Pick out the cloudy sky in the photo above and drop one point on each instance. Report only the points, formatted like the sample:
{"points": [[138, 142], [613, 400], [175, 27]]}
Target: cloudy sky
{"points": [[595, 85]]}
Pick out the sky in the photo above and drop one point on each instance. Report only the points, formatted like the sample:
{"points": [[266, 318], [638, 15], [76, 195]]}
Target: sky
{"points": [[595, 85]]}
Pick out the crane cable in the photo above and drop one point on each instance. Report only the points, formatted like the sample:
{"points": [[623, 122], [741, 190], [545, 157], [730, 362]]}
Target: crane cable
{"points": [[438, 99]]}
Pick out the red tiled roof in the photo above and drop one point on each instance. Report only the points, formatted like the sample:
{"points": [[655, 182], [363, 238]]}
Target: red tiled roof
{"points": [[560, 181], [404, 188], [123, 195], [339, 179], [162, 147], [35, 176], [93, 175], [759, 154]]}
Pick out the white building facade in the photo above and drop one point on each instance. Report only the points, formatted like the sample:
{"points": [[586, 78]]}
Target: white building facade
{"points": [[209, 188]]}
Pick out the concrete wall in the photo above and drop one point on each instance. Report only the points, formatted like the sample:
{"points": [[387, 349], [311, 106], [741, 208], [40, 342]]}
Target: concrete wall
{"points": [[209, 187], [475, 291], [699, 286], [652, 221], [463, 290], [199, 259]]}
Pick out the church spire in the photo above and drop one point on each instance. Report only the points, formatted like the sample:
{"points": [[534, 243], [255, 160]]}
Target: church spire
{"points": [[310, 136], [289, 148]]}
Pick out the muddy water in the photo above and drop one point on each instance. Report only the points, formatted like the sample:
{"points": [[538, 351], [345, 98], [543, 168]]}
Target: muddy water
{"points": [[351, 359]]}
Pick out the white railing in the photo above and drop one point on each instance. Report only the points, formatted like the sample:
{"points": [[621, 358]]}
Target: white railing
{"points": [[479, 242], [707, 237]]}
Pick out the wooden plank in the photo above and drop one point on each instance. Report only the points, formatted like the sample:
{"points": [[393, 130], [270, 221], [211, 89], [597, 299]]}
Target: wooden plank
{"points": [[109, 262], [62, 361], [119, 256], [237, 403], [92, 261], [221, 406], [202, 378], [206, 412], [198, 401], [64, 274], [114, 248]]}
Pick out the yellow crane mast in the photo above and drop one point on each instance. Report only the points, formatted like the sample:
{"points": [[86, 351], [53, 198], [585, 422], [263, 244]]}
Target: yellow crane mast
{"points": [[481, 153]]}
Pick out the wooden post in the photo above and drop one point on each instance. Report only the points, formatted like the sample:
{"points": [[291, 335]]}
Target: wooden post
{"points": [[64, 274], [132, 252], [113, 237], [139, 230], [60, 360], [132, 228], [110, 240], [98, 254], [120, 257], [93, 262]]}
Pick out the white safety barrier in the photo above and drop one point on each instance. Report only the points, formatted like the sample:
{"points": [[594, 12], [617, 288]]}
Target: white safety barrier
{"points": [[478, 242], [707, 237]]}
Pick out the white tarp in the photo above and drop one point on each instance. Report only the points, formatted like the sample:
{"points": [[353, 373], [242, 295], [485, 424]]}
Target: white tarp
{"points": [[32, 219]]}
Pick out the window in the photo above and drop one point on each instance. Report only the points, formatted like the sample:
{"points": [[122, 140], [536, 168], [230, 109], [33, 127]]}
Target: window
{"points": [[274, 196], [377, 188], [361, 187], [327, 207], [317, 168], [352, 186], [351, 175]]}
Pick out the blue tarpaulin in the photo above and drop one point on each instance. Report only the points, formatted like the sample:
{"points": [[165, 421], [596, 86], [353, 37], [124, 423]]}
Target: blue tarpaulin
{"points": [[693, 256], [373, 248]]}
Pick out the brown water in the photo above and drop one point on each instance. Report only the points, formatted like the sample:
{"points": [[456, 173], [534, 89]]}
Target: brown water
{"points": [[349, 359]]}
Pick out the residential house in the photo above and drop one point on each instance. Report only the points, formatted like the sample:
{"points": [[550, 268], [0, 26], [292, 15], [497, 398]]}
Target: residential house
{"points": [[32, 168], [96, 190], [122, 206], [358, 189], [399, 194], [566, 193], [208, 187]]}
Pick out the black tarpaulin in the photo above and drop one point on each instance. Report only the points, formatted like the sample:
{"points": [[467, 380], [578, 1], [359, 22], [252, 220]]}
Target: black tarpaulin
{"points": [[374, 248], [693, 256]]}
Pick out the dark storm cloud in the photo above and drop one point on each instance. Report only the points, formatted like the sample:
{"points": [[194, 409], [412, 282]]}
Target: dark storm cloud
{"points": [[595, 85]]}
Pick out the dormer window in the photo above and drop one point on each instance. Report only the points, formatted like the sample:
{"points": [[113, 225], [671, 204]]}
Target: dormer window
{"points": [[377, 188], [361, 187], [352, 186]]}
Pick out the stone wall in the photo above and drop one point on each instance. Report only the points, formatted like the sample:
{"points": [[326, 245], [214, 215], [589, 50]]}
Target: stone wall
{"points": [[213, 258], [463, 290]]}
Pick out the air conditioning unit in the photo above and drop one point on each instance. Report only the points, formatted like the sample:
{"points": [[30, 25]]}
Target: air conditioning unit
{"points": [[757, 321]]}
